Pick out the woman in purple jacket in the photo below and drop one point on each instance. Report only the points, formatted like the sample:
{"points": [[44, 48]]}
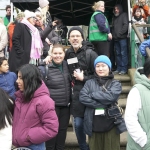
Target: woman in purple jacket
{"points": [[34, 120]]}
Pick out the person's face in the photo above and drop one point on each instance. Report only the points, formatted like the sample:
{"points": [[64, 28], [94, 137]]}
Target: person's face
{"points": [[32, 20], [102, 69], [8, 11], [138, 13], [39, 21], [20, 82], [58, 55], [116, 10], [4, 67], [102, 7], [75, 39]]}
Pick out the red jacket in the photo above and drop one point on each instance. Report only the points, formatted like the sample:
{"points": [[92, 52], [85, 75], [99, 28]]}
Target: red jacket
{"points": [[34, 122]]}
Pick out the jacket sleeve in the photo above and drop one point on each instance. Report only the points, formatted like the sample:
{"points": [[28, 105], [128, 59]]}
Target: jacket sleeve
{"points": [[46, 31], [143, 47], [86, 99], [110, 95], [49, 121], [131, 118], [16, 38], [124, 24], [90, 75], [3, 38]]}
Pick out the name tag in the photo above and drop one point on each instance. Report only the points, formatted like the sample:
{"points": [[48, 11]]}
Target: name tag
{"points": [[72, 60], [99, 111]]}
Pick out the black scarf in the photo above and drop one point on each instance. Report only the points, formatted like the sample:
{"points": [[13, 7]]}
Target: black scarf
{"points": [[102, 80], [138, 18]]}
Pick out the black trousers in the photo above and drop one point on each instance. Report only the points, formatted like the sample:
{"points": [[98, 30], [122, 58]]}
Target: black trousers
{"points": [[101, 47], [58, 142]]}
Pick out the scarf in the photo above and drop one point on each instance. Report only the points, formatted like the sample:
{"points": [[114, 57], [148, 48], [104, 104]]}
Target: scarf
{"points": [[36, 45], [102, 80], [137, 18]]}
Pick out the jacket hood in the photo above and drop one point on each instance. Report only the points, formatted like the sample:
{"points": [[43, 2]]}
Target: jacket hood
{"points": [[119, 7], [42, 90], [87, 45], [140, 78]]}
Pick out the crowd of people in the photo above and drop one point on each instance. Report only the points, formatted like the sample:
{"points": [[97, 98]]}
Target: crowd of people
{"points": [[42, 83]]}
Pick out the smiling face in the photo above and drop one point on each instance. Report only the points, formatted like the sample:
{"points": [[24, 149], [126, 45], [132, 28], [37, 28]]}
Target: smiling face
{"points": [[58, 55], [20, 82], [75, 39], [138, 13], [102, 69], [4, 67], [32, 20]]}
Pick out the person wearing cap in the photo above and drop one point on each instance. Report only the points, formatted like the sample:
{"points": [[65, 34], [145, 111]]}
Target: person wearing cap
{"points": [[96, 97], [137, 110], [81, 70], [99, 31], [27, 43]]}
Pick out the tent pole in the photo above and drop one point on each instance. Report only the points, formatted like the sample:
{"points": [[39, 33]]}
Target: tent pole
{"points": [[12, 12], [129, 18]]}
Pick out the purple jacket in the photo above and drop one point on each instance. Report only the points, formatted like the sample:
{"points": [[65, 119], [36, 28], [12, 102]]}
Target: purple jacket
{"points": [[34, 122]]}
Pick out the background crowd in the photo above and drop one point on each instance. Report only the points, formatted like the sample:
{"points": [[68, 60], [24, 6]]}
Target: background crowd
{"points": [[42, 83]]}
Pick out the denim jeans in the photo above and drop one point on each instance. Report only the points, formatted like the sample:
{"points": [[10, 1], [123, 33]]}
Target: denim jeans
{"points": [[81, 136], [121, 55], [37, 146]]}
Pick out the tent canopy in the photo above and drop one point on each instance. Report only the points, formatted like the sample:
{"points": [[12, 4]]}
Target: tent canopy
{"points": [[72, 12]]}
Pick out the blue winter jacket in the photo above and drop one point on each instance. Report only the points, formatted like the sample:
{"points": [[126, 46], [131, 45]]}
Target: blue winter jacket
{"points": [[93, 97], [7, 83], [143, 47]]}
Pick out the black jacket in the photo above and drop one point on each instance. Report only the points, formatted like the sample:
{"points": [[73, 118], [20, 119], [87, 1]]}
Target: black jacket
{"points": [[59, 84], [120, 25], [20, 53], [93, 97], [88, 67]]}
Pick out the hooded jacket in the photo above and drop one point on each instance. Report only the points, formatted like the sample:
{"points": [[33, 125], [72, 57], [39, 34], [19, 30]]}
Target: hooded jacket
{"points": [[120, 24], [36, 121]]}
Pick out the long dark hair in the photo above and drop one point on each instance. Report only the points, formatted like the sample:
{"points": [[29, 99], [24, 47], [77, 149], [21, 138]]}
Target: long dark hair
{"points": [[32, 80], [6, 109]]}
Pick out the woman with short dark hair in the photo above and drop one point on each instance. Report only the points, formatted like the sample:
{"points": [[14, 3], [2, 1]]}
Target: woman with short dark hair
{"points": [[34, 120]]}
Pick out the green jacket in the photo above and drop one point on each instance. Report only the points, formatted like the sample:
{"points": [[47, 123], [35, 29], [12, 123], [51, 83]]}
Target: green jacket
{"points": [[143, 86], [6, 21], [94, 33]]}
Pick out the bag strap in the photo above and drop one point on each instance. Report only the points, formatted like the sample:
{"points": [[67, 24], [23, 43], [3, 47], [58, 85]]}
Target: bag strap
{"points": [[105, 86]]}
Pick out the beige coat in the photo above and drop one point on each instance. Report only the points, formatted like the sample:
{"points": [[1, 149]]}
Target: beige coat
{"points": [[3, 38]]}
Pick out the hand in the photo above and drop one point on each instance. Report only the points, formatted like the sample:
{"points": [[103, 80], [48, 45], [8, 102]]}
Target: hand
{"points": [[110, 36], [78, 75], [54, 23], [48, 59]]}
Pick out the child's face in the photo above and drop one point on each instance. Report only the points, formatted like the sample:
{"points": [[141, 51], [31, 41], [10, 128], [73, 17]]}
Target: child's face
{"points": [[4, 67], [138, 13]]}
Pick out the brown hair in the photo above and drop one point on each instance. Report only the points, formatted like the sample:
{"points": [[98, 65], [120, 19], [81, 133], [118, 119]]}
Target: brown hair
{"points": [[58, 46], [8, 6]]}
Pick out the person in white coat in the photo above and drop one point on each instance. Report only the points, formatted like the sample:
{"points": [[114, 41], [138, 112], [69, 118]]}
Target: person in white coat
{"points": [[3, 37], [6, 112]]}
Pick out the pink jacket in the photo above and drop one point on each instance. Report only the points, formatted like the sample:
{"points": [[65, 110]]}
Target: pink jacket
{"points": [[34, 122]]}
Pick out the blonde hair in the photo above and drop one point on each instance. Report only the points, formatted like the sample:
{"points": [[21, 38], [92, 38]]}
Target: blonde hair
{"points": [[58, 46], [44, 11], [1, 21], [97, 4]]}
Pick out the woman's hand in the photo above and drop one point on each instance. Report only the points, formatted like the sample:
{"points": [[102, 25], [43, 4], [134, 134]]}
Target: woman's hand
{"points": [[78, 75], [48, 59], [54, 23], [110, 36]]}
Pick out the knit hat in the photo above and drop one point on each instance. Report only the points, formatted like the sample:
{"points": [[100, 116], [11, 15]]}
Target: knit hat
{"points": [[29, 14], [76, 28], [103, 59], [43, 3]]}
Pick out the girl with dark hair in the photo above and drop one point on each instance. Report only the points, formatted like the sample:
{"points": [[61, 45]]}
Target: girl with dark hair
{"points": [[59, 84], [6, 112], [34, 120]]}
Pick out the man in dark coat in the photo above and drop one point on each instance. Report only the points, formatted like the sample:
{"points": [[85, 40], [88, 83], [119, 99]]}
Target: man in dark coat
{"points": [[119, 33], [81, 70]]}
